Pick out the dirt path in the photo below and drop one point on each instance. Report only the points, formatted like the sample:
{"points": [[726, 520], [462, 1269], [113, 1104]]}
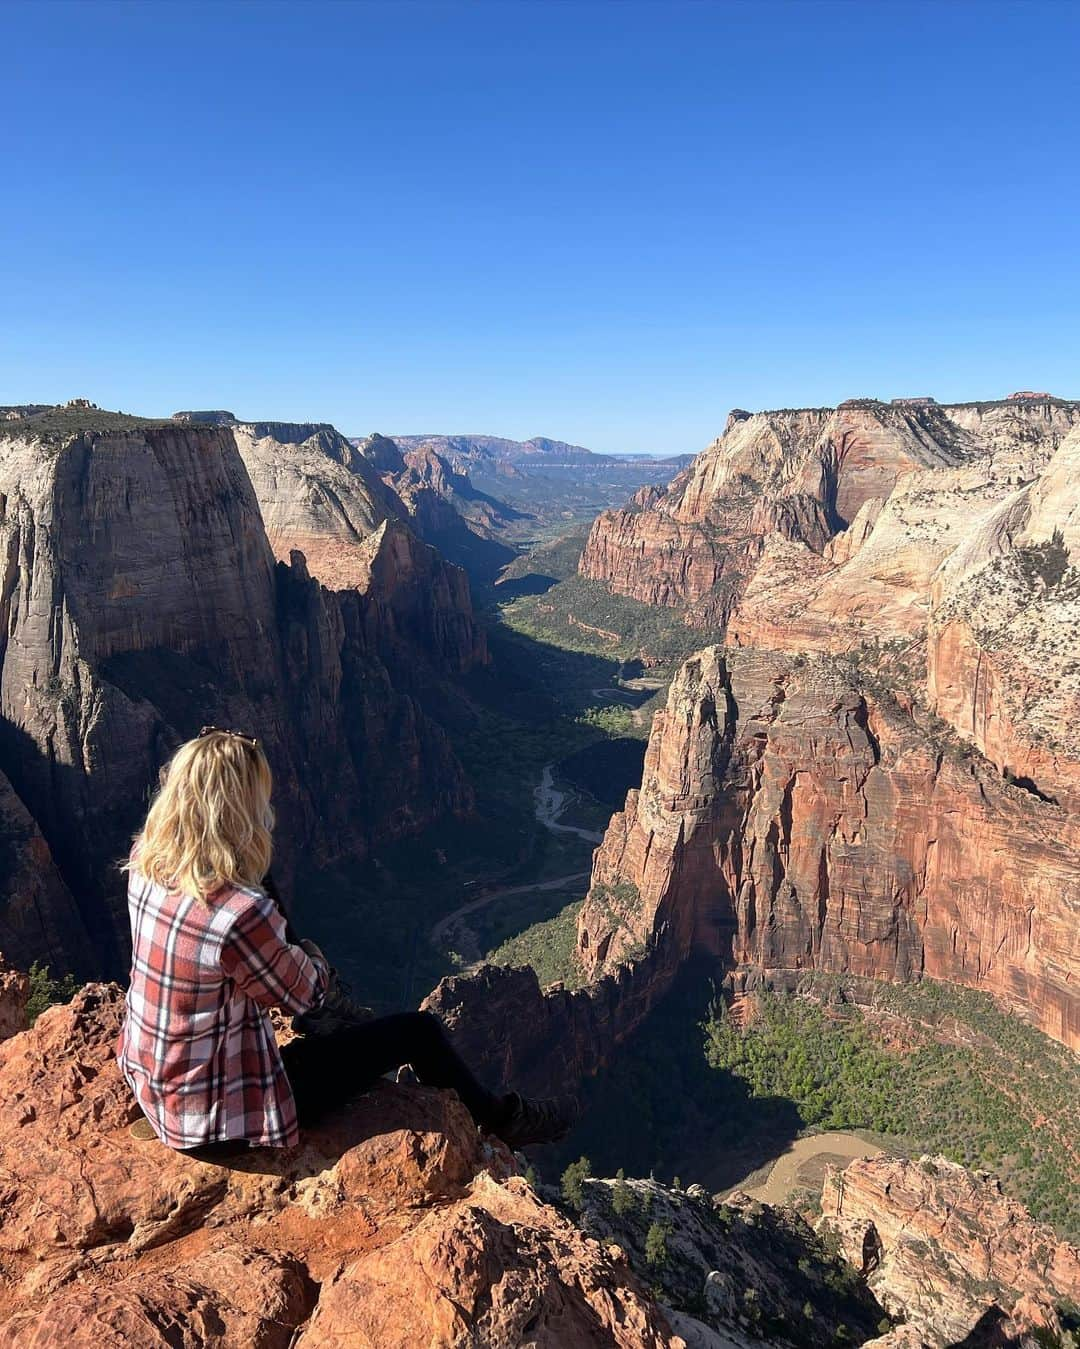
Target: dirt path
{"points": [[550, 804], [629, 692], [444, 924], [803, 1164]]}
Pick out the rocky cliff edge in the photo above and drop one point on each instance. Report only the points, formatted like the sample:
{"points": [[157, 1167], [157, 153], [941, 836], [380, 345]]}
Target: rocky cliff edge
{"points": [[393, 1224]]}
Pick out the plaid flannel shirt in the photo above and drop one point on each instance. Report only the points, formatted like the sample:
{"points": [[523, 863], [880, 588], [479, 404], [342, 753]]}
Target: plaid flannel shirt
{"points": [[197, 1045]]}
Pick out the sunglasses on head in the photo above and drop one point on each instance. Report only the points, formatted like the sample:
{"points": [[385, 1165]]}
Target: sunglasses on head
{"points": [[221, 730]]}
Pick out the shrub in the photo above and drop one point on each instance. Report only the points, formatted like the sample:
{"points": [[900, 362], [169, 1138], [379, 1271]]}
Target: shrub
{"points": [[46, 991]]}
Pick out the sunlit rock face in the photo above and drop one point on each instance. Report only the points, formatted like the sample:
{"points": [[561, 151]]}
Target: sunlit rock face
{"points": [[1004, 633], [394, 1223], [814, 528], [945, 1250], [787, 822], [321, 496]]}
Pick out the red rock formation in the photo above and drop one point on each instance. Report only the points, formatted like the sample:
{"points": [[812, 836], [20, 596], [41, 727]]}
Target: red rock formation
{"points": [[1003, 664], [786, 822], [756, 532], [442, 506], [801, 475], [393, 1224], [320, 496], [317, 495], [943, 1248], [415, 599], [14, 994], [548, 1041]]}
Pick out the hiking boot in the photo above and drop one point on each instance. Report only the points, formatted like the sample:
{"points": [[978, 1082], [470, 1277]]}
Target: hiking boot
{"points": [[336, 1011], [537, 1121]]}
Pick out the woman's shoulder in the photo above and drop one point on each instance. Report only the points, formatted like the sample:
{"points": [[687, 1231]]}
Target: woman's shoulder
{"points": [[240, 901]]}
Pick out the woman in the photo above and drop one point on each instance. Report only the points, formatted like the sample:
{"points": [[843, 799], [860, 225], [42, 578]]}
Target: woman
{"points": [[211, 954]]}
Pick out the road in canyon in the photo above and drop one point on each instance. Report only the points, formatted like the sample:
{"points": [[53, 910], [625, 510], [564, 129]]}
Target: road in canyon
{"points": [[550, 805]]}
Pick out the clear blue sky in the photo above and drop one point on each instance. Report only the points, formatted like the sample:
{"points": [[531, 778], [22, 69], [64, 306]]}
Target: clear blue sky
{"points": [[606, 223]]}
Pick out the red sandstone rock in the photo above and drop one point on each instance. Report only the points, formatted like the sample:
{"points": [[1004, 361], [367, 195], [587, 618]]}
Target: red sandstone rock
{"points": [[499, 1268], [230, 1296], [949, 1247], [1003, 663], [785, 822], [14, 992], [320, 496], [395, 1208], [801, 475]]}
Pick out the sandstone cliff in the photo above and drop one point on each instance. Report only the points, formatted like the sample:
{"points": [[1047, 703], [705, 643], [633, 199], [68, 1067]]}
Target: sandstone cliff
{"points": [[946, 1252], [465, 525], [788, 821], [756, 531], [139, 600], [802, 475], [394, 1225], [320, 496], [316, 494], [14, 995], [1004, 664]]}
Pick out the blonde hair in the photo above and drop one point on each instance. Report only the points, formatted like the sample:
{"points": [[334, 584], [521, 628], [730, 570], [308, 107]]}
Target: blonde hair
{"points": [[209, 825]]}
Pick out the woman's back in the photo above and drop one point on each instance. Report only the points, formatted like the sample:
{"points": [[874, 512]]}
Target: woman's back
{"points": [[197, 1046]]}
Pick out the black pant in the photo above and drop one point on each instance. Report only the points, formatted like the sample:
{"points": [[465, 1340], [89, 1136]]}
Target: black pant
{"points": [[326, 1070]]}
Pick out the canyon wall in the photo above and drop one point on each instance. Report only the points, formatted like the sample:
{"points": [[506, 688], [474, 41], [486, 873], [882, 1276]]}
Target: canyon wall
{"points": [[1003, 656], [442, 506], [788, 821], [947, 1253], [803, 475], [944, 537], [320, 496], [140, 598], [757, 529]]}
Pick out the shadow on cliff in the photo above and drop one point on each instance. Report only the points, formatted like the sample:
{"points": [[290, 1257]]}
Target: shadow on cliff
{"points": [[659, 1108], [991, 1331], [82, 938], [533, 679]]}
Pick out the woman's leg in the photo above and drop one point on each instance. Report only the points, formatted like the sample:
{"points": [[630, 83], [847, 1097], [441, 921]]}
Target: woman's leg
{"points": [[326, 1070]]}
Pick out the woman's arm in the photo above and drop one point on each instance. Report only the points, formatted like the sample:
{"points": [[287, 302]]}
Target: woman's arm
{"points": [[267, 967]]}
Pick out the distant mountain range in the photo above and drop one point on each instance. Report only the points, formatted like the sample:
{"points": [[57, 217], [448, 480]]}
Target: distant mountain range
{"points": [[552, 484], [472, 450]]}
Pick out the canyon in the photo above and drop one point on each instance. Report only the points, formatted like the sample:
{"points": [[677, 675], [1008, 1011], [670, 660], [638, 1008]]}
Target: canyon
{"points": [[142, 598], [921, 528], [787, 822], [868, 769]]}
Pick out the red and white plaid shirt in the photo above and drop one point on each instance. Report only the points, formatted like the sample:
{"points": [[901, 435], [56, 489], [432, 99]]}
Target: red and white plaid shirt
{"points": [[197, 1046]]}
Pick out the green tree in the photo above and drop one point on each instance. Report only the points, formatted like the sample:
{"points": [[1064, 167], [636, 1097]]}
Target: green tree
{"points": [[573, 1182], [656, 1247], [46, 992], [622, 1196]]}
